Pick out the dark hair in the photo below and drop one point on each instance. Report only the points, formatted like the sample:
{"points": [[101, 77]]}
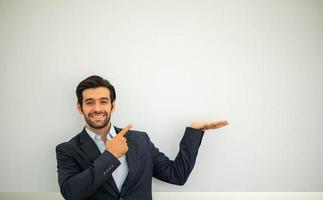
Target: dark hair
{"points": [[94, 82]]}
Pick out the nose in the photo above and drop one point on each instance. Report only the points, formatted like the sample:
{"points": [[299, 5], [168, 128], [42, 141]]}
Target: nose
{"points": [[97, 107]]}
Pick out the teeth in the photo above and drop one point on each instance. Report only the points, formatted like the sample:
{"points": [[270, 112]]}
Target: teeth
{"points": [[98, 116]]}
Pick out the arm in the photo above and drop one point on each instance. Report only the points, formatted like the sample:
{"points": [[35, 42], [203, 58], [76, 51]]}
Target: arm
{"points": [[76, 184], [177, 171]]}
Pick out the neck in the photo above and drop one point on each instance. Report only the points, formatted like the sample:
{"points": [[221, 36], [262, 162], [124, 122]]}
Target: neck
{"points": [[102, 132]]}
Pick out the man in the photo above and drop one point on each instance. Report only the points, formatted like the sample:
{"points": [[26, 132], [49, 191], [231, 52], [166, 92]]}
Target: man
{"points": [[105, 162]]}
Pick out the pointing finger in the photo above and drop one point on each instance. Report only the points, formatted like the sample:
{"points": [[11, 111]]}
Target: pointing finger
{"points": [[125, 130]]}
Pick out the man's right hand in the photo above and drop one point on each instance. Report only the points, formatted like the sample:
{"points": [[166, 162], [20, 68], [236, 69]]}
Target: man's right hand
{"points": [[118, 146]]}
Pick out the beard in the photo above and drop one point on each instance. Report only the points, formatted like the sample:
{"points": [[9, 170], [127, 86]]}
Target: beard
{"points": [[97, 125]]}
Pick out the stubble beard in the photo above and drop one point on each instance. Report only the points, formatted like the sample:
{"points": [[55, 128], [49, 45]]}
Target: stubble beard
{"points": [[96, 125]]}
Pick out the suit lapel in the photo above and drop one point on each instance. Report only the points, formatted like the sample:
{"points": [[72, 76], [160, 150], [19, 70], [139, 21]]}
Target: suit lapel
{"points": [[89, 147], [131, 156]]}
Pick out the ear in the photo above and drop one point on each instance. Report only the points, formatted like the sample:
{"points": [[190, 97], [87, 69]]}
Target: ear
{"points": [[79, 108], [113, 106]]}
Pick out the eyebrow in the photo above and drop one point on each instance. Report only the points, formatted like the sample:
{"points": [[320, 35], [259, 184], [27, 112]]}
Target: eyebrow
{"points": [[92, 99]]}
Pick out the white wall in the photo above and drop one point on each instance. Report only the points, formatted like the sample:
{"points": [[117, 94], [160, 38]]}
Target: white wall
{"points": [[257, 64], [185, 196]]}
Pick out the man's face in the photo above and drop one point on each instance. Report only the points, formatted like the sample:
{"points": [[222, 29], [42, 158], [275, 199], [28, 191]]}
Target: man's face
{"points": [[97, 107]]}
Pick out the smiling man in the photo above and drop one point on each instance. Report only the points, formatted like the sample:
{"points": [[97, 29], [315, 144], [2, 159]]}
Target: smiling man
{"points": [[104, 162]]}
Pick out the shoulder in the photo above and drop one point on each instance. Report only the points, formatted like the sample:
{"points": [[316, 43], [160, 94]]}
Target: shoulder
{"points": [[70, 145], [134, 134]]}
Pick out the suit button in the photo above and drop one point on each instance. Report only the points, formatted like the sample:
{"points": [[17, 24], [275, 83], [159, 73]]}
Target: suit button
{"points": [[105, 172]]}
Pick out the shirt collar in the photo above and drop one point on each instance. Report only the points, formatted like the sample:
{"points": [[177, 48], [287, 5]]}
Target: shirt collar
{"points": [[94, 136]]}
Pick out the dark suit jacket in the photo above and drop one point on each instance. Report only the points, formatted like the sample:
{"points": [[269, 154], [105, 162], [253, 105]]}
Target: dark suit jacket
{"points": [[85, 173]]}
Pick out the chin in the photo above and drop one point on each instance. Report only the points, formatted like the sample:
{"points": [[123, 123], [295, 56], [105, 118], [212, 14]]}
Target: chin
{"points": [[99, 126]]}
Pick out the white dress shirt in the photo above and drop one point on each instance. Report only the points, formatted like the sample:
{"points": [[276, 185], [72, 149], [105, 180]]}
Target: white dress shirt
{"points": [[120, 174]]}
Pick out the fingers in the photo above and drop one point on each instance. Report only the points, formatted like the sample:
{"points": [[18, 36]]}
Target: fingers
{"points": [[125, 130], [222, 123], [216, 124]]}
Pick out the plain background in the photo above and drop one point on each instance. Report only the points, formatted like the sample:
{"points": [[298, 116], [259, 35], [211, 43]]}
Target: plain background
{"points": [[257, 64]]}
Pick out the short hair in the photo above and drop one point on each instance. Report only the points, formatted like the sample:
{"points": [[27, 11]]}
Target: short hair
{"points": [[94, 82]]}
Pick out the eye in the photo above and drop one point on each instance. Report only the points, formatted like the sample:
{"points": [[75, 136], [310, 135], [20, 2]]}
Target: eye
{"points": [[104, 102], [89, 103]]}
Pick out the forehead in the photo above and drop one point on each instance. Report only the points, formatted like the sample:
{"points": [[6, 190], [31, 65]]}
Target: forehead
{"points": [[96, 93]]}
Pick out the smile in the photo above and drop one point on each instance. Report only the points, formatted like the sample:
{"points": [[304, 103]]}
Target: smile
{"points": [[98, 116]]}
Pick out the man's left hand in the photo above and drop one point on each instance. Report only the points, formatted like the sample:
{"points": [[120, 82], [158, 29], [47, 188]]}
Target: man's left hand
{"points": [[209, 125]]}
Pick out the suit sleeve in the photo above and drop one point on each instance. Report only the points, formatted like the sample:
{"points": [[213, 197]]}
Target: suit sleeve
{"points": [[77, 184], [177, 171]]}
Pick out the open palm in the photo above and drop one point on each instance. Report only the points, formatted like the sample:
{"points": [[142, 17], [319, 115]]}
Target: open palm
{"points": [[209, 125]]}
